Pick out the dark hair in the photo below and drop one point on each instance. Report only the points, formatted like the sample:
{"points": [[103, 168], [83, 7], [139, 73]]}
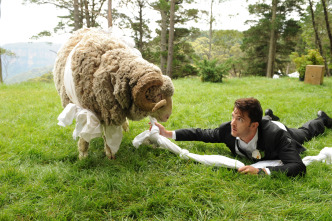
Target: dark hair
{"points": [[252, 106]]}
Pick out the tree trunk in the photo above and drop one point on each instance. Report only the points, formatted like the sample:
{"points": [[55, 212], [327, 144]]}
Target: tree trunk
{"points": [[327, 28], [170, 40], [76, 16], [81, 13], [272, 47], [163, 40], [109, 14], [318, 41], [140, 41], [87, 15], [210, 32]]}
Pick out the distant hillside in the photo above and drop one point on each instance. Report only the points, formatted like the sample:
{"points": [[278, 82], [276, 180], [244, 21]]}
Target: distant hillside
{"points": [[31, 74], [33, 60]]}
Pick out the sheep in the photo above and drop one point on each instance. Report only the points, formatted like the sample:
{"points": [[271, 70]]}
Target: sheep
{"points": [[101, 74]]}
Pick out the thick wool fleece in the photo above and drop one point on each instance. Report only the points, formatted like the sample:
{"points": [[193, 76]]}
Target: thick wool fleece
{"points": [[105, 70], [60, 63]]}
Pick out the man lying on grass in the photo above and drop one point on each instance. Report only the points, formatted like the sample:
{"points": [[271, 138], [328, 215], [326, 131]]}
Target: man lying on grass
{"points": [[258, 138]]}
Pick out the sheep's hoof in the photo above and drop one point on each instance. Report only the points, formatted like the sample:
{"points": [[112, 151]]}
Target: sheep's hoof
{"points": [[83, 155], [109, 153], [111, 157], [125, 126]]}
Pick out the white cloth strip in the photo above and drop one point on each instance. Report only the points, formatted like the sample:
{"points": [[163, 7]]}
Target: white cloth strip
{"points": [[68, 79], [162, 142]]}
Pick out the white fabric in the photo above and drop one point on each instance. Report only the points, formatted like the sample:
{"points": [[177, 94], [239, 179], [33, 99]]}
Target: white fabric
{"points": [[173, 135], [113, 136], [217, 160], [267, 163], [294, 75], [68, 79], [87, 124], [163, 142], [324, 156], [280, 125]]}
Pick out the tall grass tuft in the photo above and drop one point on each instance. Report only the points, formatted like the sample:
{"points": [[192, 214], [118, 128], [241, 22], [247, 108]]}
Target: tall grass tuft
{"points": [[41, 177]]}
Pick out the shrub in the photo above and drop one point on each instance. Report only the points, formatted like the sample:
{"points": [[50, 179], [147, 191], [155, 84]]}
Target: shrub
{"points": [[186, 70], [211, 71], [313, 57]]}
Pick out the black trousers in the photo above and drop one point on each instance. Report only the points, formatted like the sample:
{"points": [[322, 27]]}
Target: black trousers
{"points": [[308, 131]]}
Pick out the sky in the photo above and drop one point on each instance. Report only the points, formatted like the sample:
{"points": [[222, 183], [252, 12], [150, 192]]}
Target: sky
{"points": [[18, 22]]}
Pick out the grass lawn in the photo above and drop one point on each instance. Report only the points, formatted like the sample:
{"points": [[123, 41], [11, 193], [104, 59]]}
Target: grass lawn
{"points": [[41, 177]]}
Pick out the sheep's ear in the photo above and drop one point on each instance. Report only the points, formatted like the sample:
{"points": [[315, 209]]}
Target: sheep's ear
{"points": [[159, 105]]}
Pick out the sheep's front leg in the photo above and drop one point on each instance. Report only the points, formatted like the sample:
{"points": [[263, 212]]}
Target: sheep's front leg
{"points": [[125, 125], [83, 147], [112, 140], [108, 151]]}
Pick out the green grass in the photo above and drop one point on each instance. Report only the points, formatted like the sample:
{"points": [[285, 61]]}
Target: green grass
{"points": [[41, 177]]}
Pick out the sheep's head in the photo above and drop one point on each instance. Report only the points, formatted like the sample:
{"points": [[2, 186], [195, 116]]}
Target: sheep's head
{"points": [[154, 95]]}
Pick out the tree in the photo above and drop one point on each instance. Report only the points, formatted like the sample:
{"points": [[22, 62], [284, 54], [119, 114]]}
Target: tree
{"points": [[260, 39], [76, 16], [163, 8], [211, 20], [81, 13], [273, 41], [170, 40], [182, 15], [5, 56], [109, 13], [317, 38], [136, 22], [327, 23]]}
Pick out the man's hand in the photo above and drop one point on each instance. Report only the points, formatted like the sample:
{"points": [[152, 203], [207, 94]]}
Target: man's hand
{"points": [[163, 131], [249, 170]]}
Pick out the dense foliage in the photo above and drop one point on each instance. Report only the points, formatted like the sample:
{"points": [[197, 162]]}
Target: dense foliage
{"points": [[246, 53], [212, 71], [312, 58]]}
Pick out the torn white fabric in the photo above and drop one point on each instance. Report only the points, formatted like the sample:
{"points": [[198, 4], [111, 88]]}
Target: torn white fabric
{"points": [[87, 124], [163, 142], [217, 160], [324, 156], [267, 163], [113, 136]]}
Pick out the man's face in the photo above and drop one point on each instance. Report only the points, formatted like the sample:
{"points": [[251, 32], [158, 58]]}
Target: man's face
{"points": [[240, 124]]}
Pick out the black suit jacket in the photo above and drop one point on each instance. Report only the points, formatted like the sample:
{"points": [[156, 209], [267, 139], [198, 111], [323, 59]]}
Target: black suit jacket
{"points": [[274, 141]]}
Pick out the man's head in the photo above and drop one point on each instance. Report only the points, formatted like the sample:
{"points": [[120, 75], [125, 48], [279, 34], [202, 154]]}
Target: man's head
{"points": [[246, 116], [251, 106]]}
